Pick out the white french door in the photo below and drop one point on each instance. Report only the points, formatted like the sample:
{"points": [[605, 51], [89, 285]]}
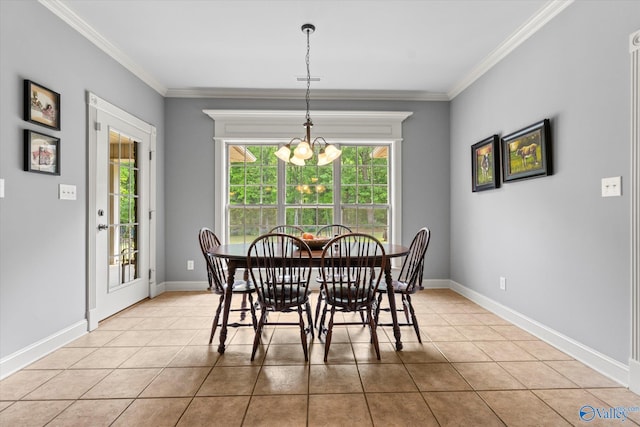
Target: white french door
{"points": [[119, 211]]}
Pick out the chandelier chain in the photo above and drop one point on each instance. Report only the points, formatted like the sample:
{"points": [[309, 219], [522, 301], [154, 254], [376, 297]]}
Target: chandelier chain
{"points": [[308, 97]]}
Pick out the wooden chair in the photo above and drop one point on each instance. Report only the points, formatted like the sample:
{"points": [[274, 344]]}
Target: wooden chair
{"points": [[293, 230], [333, 230], [217, 276], [409, 280], [330, 231], [280, 266], [351, 267]]}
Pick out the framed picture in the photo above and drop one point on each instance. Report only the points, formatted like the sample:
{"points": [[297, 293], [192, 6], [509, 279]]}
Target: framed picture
{"points": [[485, 160], [41, 153], [41, 105], [527, 152]]}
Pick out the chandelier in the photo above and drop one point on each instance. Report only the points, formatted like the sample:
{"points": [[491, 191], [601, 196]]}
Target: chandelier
{"points": [[305, 148]]}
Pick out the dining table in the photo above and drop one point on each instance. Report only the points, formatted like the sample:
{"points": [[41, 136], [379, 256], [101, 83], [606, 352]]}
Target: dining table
{"points": [[236, 256]]}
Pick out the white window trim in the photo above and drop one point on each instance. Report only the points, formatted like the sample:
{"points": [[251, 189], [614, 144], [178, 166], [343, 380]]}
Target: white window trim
{"points": [[279, 126]]}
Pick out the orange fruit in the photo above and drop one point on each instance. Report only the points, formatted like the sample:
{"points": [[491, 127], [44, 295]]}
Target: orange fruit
{"points": [[308, 236]]}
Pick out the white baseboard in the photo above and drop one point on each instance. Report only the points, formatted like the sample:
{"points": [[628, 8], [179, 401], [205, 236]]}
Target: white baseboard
{"points": [[185, 286], [604, 364], [436, 283], [201, 286], [634, 376], [37, 350]]}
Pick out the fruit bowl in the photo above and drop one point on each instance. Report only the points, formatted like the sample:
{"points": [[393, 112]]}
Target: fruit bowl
{"points": [[316, 243]]}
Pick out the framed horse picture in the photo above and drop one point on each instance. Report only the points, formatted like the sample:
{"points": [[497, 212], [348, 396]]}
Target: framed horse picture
{"points": [[485, 161], [527, 152]]}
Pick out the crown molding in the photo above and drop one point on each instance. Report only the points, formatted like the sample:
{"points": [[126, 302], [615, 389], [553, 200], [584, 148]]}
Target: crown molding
{"points": [[526, 30], [351, 95], [58, 8]]}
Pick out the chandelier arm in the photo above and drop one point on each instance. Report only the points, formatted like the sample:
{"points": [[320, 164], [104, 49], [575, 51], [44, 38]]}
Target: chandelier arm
{"points": [[318, 139]]}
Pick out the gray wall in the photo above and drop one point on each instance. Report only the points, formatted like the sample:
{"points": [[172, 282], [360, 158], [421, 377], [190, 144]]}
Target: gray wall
{"points": [[563, 249], [190, 175], [43, 239]]}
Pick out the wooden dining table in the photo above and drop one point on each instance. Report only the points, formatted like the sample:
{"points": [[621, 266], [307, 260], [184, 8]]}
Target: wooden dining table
{"points": [[236, 256]]}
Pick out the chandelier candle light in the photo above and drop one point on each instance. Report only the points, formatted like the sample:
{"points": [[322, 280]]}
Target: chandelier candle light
{"points": [[305, 148]]}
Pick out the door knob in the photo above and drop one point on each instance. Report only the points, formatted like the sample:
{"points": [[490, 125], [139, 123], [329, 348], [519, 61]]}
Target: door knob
{"points": [[102, 227]]}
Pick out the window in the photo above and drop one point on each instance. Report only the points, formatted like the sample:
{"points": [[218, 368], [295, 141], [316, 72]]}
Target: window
{"points": [[371, 142], [264, 192], [252, 199], [364, 189]]}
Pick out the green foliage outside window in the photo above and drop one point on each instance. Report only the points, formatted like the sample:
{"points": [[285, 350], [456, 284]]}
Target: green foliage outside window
{"points": [[308, 198], [128, 212]]}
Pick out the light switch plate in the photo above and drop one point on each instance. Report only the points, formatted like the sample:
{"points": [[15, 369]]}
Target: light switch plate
{"points": [[1, 188], [612, 186], [67, 192]]}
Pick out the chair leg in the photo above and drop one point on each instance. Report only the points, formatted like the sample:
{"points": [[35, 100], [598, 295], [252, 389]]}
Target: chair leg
{"points": [[303, 334], [309, 319], [327, 341], [216, 318], [318, 304], [256, 339], [321, 327], [374, 332], [377, 313], [252, 306], [243, 306], [405, 306], [414, 319]]}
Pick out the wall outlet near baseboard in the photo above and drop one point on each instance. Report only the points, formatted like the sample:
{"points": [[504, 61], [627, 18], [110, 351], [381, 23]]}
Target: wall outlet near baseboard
{"points": [[503, 283], [190, 264]]}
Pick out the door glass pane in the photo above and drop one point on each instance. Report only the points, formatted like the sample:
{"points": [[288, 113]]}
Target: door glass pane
{"points": [[123, 210]]}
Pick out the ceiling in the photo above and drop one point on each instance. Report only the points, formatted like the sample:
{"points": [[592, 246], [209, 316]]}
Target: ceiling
{"points": [[361, 49]]}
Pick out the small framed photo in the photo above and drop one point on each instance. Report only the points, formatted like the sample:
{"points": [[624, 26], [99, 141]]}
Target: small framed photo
{"points": [[41, 105], [485, 161], [527, 152], [41, 153]]}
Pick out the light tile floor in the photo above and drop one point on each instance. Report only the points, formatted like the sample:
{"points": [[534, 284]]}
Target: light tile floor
{"points": [[151, 365]]}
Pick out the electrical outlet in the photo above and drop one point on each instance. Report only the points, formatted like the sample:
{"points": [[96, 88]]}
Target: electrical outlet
{"points": [[66, 192], [503, 283], [190, 264], [611, 187]]}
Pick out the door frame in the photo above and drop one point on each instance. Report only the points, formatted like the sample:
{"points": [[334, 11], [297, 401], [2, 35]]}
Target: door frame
{"points": [[95, 103], [634, 359]]}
